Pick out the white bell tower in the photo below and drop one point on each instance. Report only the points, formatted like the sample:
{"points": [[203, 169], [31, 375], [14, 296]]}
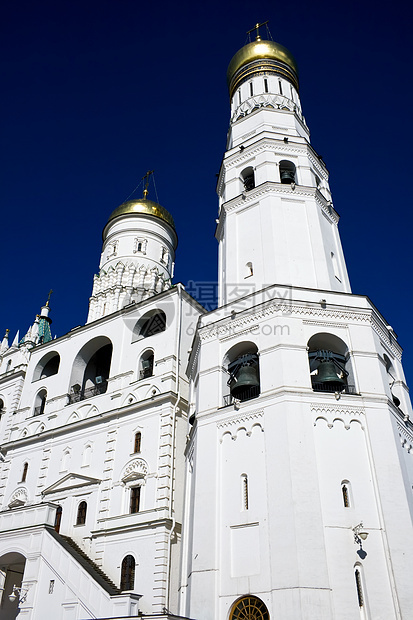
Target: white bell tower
{"points": [[138, 254], [299, 460], [277, 224]]}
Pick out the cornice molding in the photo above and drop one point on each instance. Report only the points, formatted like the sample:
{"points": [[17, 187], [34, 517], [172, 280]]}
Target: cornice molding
{"points": [[302, 191]]}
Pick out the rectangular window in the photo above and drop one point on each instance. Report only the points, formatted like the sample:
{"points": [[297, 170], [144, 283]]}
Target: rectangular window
{"points": [[266, 85], [135, 496], [251, 89]]}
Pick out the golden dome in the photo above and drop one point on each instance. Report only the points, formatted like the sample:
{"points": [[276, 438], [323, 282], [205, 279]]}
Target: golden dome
{"points": [[261, 56], [145, 207]]}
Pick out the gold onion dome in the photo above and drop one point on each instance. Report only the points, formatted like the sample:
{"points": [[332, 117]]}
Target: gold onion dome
{"points": [[261, 57], [144, 207]]}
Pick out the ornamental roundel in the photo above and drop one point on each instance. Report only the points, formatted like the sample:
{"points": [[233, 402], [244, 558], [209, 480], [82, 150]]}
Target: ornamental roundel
{"points": [[249, 608]]}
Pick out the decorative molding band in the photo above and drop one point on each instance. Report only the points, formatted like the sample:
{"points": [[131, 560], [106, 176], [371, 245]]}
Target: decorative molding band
{"points": [[241, 418], [329, 409], [324, 324], [233, 327]]}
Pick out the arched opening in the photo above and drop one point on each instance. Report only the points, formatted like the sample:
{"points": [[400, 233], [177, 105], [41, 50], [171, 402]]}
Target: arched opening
{"points": [[287, 172], [330, 367], [11, 578], [81, 513], [242, 364], [146, 363], [40, 402], [248, 178], [58, 519], [1, 407], [360, 590], [249, 270], [137, 442], [249, 608], [91, 369], [391, 377], [346, 494], [244, 492], [47, 367], [153, 322], [24, 472], [127, 575]]}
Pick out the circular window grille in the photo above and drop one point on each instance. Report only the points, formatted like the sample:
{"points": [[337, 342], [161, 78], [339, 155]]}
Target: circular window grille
{"points": [[249, 608]]}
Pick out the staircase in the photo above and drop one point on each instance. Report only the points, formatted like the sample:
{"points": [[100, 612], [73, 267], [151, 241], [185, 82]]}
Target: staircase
{"points": [[80, 556]]}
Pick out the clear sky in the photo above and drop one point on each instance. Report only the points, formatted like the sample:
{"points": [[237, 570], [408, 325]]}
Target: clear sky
{"points": [[95, 93]]}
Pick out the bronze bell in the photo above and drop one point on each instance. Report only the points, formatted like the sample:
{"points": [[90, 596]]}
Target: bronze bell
{"points": [[287, 176], [246, 378], [327, 373]]}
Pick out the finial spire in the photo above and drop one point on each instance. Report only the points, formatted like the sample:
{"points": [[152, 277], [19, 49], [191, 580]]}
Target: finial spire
{"points": [[146, 176], [48, 298], [5, 343], [257, 28]]}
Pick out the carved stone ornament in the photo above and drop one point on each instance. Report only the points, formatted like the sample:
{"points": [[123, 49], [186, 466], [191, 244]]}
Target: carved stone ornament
{"points": [[19, 498], [135, 470]]}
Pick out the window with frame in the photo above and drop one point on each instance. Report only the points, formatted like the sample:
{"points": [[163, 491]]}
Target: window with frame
{"points": [[135, 497], [249, 608], [81, 513], [138, 441], [127, 576]]}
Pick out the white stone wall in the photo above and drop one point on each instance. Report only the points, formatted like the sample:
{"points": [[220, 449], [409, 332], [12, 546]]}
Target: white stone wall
{"points": [[294, 545]]}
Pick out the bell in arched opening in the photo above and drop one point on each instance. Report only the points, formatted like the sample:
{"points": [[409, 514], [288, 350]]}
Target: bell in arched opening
{"points": [[244, 382], [331, 375], [287, 172]]}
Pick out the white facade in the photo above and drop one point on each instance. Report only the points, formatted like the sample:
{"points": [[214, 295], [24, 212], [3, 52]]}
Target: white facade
{"points": [[89, 418], [195, 473]]}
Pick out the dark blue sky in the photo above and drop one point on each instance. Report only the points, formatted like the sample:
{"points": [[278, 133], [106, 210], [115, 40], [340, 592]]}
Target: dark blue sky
{"points": [[95, 93]]}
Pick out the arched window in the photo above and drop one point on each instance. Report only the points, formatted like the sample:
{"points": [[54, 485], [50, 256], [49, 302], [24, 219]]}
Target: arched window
{"points": [[391, 377], [58, 519], [249, 608], [153, 322], [135, 497], [40, 402], [330, 367], [137, 443], [335, 267], [81, 513], [140, 245], [244, 491], [361, 597], [249, 270], [345, 492], [1, 407], [127, 576], [248, 178], [8, 365], [164, 256], [146, 364], [287, 172], [24, 473], [47, 367], [242, 365], [87, 455]]}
